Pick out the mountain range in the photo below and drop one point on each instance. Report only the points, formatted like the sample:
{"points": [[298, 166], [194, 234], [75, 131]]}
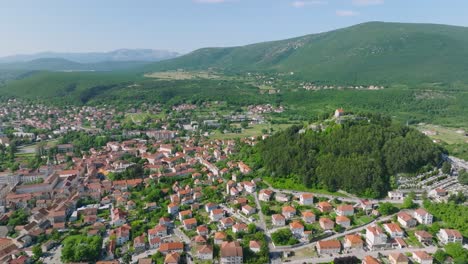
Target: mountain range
{"points": [[96, 57], [368, 53], [123, 59]]}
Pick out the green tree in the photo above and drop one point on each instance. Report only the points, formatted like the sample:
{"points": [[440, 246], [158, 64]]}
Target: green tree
{"points": [[446, 167], [463, 177], [37, 251], [440, 256], [387, 208], [457, 252], [408, 202]]}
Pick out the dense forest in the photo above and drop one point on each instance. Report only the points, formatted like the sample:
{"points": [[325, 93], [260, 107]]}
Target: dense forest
{"points": [[359, 156]]}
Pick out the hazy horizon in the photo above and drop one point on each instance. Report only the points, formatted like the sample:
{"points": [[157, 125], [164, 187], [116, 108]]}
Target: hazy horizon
{"points": [[182, 26]]}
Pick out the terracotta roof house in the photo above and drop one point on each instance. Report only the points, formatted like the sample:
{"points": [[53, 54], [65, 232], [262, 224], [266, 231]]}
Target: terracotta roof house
{"points": [[328, 246], [398, 258], [324, 207], [278, 220], [353, 241], [231, 253], [343, 221], [326, 223]]}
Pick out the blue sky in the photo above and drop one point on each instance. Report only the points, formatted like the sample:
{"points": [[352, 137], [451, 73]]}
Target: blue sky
{"points": [[28, 26]]}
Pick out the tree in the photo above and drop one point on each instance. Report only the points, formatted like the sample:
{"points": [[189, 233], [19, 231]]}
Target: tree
{"points": [[440, 256], [457, 252], [408, 202], [252, 228], [463, 177], [37, 251], [244, 124], [446, 167], [387, 208], [284, 237], [80, 248]]}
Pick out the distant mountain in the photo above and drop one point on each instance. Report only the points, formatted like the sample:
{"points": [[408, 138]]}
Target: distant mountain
{"points": [[96, 57], [368, 53], [58, 64]]}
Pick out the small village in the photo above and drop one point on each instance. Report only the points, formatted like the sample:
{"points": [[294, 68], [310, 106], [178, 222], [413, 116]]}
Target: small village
{"points": [[167, 193]]}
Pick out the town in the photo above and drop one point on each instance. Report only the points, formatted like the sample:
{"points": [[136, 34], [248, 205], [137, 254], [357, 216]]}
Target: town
{"points": [[98, 185]]}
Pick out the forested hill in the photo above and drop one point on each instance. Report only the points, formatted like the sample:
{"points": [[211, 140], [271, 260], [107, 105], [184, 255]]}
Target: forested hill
{"points": [[359, 156], [369, 53]]}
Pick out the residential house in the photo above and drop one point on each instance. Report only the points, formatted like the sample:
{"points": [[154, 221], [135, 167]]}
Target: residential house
{"points": [[394, 230], [370, 260], [202, 230], [288, 212], [398, 258], [296, 228], [219, 238], [216, 214], [210, 206], [139, 243], [422, 257], [308, 217], [450, 236], [353, 241], [324, 207], [172, 258], [171, 247], [278, 220], [250, 187], [231, 253], [345, 210], [328, 246], [326, 223], [306, 199], [423, 236], [248, 210], [205, 253], [173, 208], [255, 246], [406, 220], [122, 234], [227, 222], [423, 217], [239, 227], [265, 195], [281, 197], [190, 223], [343, 221], [375, 237]]}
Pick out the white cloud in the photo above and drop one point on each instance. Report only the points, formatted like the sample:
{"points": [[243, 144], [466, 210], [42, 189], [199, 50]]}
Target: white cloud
{"points": [[303, 3], [210, 1], [346, 13], [368, 2]]}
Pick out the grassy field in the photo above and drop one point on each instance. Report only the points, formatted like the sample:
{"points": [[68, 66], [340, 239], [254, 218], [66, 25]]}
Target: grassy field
{"points": [[139, 117], [251, 131], [183, 75], [453, 139], [445, 134]]}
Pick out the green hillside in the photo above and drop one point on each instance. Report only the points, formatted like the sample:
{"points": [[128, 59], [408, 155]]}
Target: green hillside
{"points": [[369, 53], [58, 64], [74, 87]]}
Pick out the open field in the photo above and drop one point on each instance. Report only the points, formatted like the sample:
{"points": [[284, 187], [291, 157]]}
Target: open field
{"points": [[445, 134], [139, 117], [183, 75], [453, 139]]}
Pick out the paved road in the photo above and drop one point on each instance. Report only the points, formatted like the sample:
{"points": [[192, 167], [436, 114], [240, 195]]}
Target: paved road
{"points": [[361, 254], [338, 235], [329, 196]]}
